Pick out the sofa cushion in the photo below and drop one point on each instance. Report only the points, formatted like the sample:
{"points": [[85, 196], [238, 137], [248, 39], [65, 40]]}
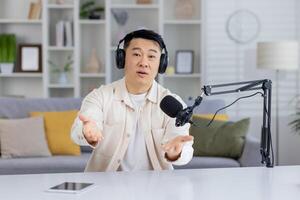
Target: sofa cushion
{"points": [[23, 138], [221, 117], [53, 164], [221, 138], [209, 162], [58, 127]]}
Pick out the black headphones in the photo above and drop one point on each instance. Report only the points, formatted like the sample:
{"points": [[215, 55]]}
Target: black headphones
{"points": [[145, 34]]}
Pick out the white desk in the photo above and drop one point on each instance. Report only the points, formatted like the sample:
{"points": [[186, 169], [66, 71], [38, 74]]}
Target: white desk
{"points": [[207, 184]]}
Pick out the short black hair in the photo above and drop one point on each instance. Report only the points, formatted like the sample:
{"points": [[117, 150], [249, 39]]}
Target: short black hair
{"points": [[144, 34]]}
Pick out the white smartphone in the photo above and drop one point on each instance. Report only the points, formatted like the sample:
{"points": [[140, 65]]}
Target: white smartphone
{"points": [[70, 187]]}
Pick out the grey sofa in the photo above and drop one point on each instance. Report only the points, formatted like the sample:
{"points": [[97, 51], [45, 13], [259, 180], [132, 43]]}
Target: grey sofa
{"points": [[19, 108]]}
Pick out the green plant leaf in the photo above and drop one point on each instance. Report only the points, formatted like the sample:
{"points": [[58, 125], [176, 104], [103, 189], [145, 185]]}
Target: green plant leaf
{"points": [[11, 46], [1, 48], [87, 5], [99, 9], [84, 14], [5, 48], [295, 124]]}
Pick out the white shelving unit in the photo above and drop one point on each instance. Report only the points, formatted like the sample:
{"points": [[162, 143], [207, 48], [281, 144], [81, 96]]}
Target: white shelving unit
{"points": [[101, 36]]}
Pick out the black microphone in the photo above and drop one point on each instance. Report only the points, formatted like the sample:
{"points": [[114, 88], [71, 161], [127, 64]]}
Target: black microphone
{"points": [[173, 108], [170, 106]]}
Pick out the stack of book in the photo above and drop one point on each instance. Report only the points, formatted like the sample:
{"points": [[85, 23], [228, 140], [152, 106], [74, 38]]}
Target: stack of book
{"points": [[64, 34]]}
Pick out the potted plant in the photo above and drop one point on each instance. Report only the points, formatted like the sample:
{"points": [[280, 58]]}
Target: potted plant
{"points": [[295, 123], [89, 10], [7, 53], [62, 73]]}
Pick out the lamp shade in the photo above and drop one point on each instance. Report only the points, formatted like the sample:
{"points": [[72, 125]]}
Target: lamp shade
{"points": [[278, 55]]}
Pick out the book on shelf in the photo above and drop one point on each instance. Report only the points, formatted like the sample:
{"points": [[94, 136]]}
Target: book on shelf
{"points": [[35, 10], [68, 34], [59, 33]]}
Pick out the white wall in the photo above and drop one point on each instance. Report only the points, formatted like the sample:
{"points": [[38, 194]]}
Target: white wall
{"points": [[227, 61]]}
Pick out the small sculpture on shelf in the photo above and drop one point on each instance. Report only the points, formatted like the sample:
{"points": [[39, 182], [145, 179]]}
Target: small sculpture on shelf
{"points": [[61, 74], [184, 9], [94, 65], [89, 10], [170, 70], [121, 17]]}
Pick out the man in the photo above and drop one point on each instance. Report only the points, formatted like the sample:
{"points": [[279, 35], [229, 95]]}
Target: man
{"points": [[123, 121]]}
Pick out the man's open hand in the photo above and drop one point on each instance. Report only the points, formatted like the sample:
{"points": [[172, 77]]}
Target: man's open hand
{"points": [[90, 130], [173, 148]]}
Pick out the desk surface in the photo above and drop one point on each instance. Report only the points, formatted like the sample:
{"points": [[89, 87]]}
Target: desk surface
{"points": [[257, 183]]}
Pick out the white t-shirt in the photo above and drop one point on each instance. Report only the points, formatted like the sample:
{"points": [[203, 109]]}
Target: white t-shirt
{"points": [[136, 157]]}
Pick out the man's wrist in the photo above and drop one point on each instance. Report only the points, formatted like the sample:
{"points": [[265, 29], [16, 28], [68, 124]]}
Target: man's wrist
{"points": [[172, 158]]}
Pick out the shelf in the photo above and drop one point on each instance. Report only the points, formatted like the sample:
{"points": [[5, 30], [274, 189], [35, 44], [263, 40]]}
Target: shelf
{"points": [[89, 21], [182, 22], [60, 86], [54, 48], [92, 75], [56, 6], [22, 75], [21, 21], [134, 6], [195, 75]]}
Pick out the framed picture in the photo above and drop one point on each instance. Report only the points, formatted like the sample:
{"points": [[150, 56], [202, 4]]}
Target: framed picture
{"points": [[184, 61], [30, 58]]}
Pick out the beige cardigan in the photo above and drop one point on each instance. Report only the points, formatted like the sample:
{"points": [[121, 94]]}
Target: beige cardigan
{"points": [[112, 109]]}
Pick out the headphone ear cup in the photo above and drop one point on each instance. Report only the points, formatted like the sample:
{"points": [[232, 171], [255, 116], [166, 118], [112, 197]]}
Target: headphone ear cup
{"points": [[163, 63], [120, 58]]}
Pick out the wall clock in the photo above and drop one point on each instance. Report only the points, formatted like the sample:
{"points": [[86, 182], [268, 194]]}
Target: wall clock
{"points": [[243, 26]]}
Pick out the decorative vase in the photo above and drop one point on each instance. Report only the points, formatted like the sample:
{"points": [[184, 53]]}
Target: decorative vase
{"points": [[170, 70], [184, 9], [121, 17], [63, 78], [6, 68], [93, 65]]}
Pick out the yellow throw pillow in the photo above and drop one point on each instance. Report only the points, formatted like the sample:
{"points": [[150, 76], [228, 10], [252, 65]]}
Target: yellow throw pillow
{"points": [[220, 117], [58, 127]]}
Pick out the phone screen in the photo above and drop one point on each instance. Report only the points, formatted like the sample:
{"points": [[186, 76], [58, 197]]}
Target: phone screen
{"points": [[71, 186]]}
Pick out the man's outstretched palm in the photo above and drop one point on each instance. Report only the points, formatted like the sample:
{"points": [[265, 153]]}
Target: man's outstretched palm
{"points": [[174, 147], [90, 130]]}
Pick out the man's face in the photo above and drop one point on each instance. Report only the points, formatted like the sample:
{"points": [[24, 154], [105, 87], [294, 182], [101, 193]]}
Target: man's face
{"points": [[142, 61]]}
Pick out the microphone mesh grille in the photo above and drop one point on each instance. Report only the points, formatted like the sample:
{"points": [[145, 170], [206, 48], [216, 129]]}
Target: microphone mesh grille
{"points": [[170, 106]]}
